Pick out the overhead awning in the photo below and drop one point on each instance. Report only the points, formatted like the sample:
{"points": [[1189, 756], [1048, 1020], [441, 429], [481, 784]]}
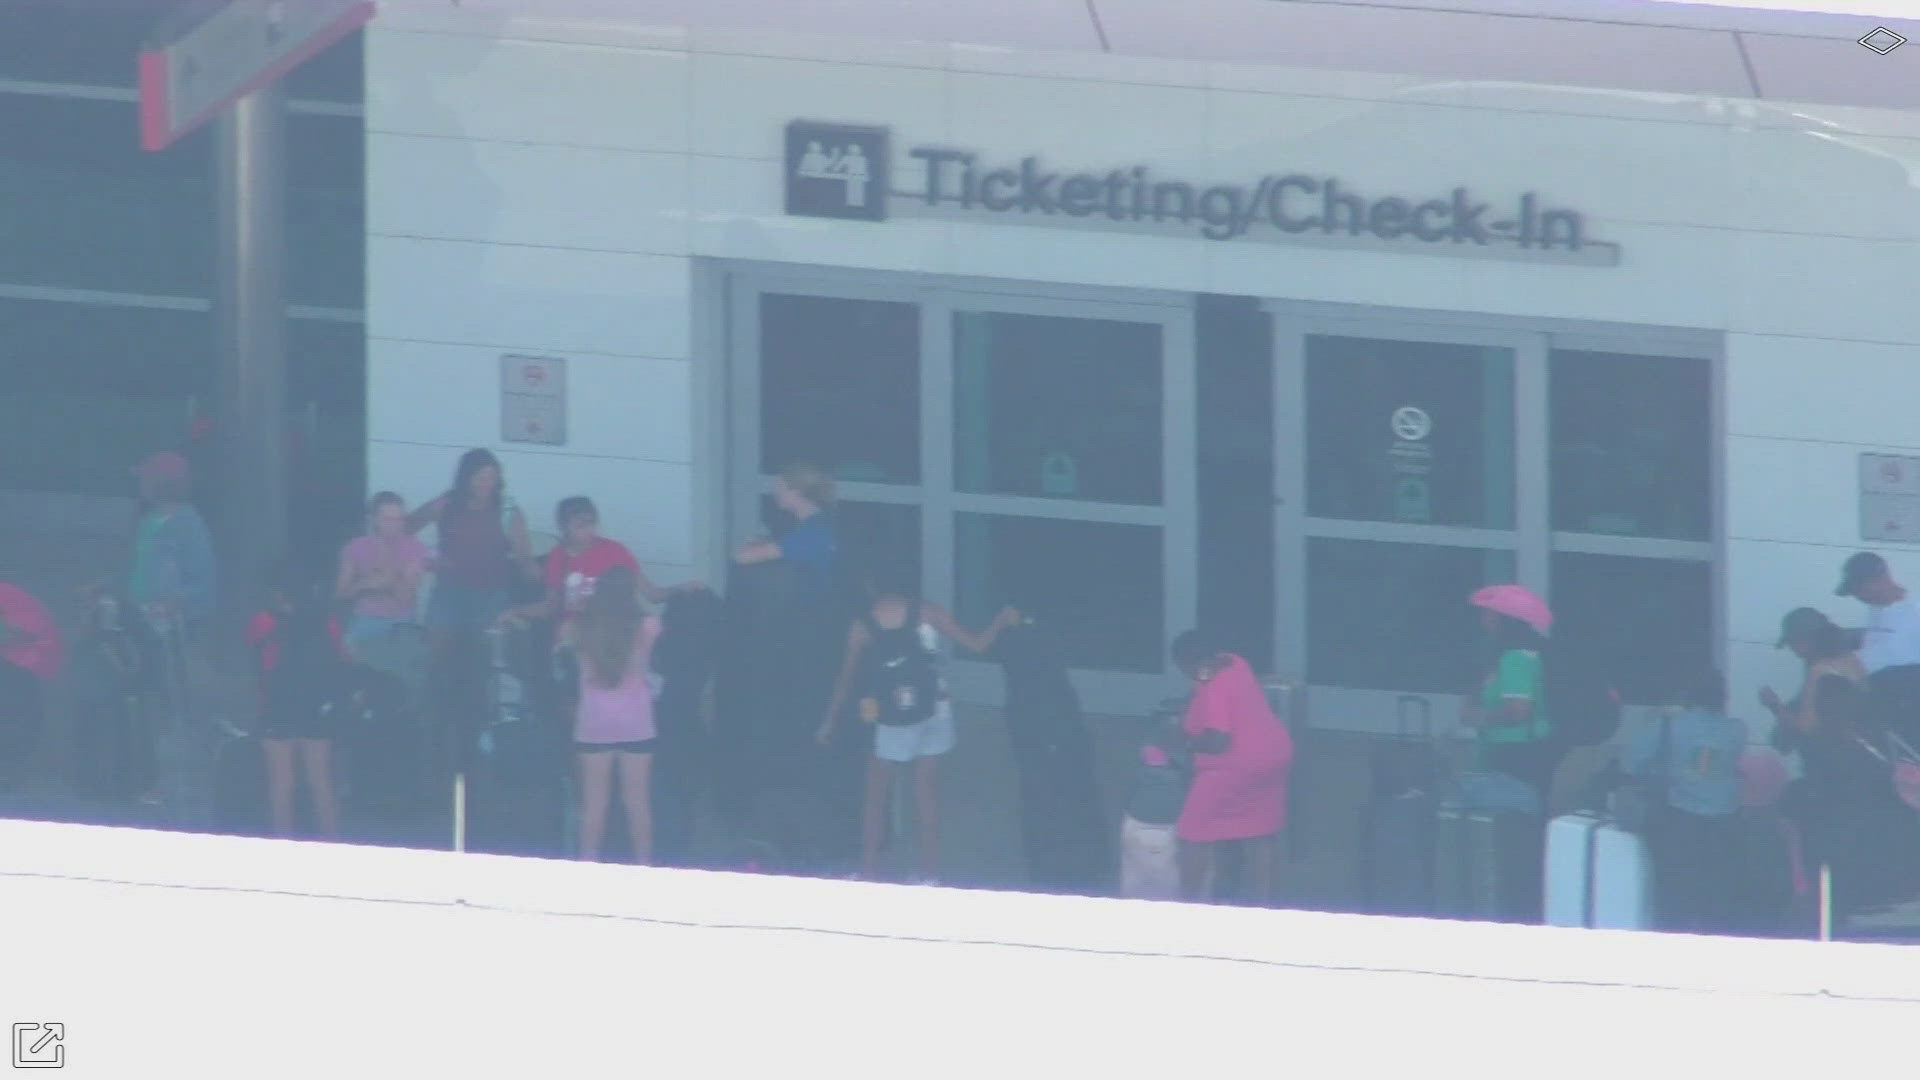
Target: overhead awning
{"points": [[1802, 51]]}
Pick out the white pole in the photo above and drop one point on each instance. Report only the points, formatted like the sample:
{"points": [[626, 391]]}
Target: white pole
{"points": [[460, 811], [1826, 902]]}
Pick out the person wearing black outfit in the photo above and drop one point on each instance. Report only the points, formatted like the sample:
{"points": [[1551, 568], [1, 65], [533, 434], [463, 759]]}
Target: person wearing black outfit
{"points": [[1063, 826]]}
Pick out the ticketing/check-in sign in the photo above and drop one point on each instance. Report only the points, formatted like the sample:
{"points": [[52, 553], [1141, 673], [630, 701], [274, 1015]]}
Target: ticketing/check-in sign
{"points": [[205, 66]]}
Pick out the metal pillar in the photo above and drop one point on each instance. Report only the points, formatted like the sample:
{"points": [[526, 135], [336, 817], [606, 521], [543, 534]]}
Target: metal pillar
{"points": [[251, 343]]}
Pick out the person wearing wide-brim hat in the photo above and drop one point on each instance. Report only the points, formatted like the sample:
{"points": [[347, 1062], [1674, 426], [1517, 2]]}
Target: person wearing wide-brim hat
{"points": [[1509, 710]]}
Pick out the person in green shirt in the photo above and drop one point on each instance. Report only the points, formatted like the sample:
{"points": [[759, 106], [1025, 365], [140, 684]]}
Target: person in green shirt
{"points": [[1507, 709]]}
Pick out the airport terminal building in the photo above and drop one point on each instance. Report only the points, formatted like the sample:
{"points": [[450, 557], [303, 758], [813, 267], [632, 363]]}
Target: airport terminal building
{"points": [[1299, 319]]}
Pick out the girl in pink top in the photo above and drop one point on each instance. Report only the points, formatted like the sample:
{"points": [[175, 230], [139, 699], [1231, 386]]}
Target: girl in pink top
{"points": [[1242, 754], [613, 730]]}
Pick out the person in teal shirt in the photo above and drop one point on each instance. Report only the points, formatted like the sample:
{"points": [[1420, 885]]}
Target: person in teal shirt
{"points": [[1508, 709]]}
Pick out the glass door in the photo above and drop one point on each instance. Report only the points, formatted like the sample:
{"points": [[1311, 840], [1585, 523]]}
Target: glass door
{"points": [[1007, 448], [1409, 476]]}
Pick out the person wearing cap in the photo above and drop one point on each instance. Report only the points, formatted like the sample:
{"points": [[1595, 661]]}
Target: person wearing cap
{"points": [[1509, 708], [172, 585], [1893, 619], [173, 575], [1890, 649], [1823, 649]]}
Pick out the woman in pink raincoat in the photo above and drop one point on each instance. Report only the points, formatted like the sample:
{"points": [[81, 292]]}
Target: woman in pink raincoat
{"points": [[1241, 757]]}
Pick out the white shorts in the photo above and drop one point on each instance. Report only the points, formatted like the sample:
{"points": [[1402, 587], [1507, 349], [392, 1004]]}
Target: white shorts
{"points": [[906, 743], [1149, 861]]}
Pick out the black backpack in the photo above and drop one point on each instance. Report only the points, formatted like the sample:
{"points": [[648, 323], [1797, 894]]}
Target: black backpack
{"points": [[902, 686]]}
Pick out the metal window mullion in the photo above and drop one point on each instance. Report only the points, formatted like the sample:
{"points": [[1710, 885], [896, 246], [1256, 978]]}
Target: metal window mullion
{"points": [[937, 524], [1394, 533], [1179, 449], [744, 407], [1290, 494], [1533, 464], [857, 491], [1633, 547], [1061, 509]]}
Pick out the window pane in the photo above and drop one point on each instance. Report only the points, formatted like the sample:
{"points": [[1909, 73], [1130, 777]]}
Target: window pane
{"points": [[1410, 432], [1395, 616], [92, 388], [1632, 445], [105, 214], [1057, 407], [1101, 584], [840, 385], [108, 216], [1646, 622], [61, 41]]}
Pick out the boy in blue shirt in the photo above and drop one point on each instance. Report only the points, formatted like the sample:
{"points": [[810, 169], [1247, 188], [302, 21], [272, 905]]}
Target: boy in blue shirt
{"points": [[1694, 754]]}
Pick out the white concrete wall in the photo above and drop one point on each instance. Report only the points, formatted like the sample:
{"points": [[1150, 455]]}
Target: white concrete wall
{"points": [[172, 954], [542, 185]]}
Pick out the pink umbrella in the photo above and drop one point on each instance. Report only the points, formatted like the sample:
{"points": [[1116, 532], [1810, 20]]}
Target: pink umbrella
{"points": [[1516, 602]]}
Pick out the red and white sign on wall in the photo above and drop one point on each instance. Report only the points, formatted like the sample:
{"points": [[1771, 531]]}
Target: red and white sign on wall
{"points": [[207, 64], [1889, 499], [533, 399]]}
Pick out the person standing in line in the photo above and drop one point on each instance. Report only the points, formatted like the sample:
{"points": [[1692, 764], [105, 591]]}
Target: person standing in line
{"points": [[1242, 755], [805, 493], [485, 552], [614, 731], [1853, 821], [1890, 648], [1823, 649], [380, 576], [303, 661], [31, 656], [892, 672], [574, 569], [484, 548], [1149, 833], [779, 784], [1694, 755], [1508, 708], [172, 586]]}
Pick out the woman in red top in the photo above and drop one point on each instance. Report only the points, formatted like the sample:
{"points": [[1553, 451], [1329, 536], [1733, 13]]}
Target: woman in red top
{"points": [[303, 670], [1242, 754]]}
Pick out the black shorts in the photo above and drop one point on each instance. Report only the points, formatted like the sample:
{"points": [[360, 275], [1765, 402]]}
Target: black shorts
{"points": [[643, 746], [297, 723]]}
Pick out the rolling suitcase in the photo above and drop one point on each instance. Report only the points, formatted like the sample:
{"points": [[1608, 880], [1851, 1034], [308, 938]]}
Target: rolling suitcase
{"points": [[1397, 866], [1598, 875], [1485, 864]]}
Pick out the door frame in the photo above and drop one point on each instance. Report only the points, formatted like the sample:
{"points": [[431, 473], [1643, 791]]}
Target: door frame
{"points": [[739, 483], [1532, 539]]}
